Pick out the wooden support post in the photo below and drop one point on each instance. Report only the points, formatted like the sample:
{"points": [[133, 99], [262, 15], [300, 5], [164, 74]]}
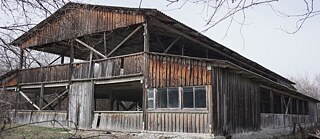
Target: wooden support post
{"points": [[41, 96], [145, 81], [105, 43], [71, 59], [90, 65], [61, 59], [111, 100], [271, 101], [124, 40]]}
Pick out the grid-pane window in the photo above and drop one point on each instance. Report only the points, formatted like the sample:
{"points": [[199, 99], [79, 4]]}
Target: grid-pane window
{"points": [[173, 97], [188, 97], [162, 98], [200, 97]]}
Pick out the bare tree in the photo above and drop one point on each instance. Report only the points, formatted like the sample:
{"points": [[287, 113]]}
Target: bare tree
{"points": [[308, 85], [217, 11]]}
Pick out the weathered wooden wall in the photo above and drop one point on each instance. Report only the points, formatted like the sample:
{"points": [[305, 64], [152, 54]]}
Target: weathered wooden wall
{"points": [[178, 121], [283, 120], [313, 112], [118, 120], [78, 20], [174, 71], [236, 105], [42, 118], [81, 104]]}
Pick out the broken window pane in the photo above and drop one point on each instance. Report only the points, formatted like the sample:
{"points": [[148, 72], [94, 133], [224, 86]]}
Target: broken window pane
{"points": [[161, 98], [188, 97], [200, 97], [173, 97]]}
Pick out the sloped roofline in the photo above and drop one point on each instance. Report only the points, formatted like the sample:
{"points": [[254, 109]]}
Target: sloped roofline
{"points": [[148, 12]]}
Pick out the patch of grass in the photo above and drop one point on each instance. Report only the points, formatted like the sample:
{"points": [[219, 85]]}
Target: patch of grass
{"points": [[34, 132]]}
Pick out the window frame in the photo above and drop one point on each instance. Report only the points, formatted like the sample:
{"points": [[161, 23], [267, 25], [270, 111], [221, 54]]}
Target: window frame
{"points": [[180, 98]]}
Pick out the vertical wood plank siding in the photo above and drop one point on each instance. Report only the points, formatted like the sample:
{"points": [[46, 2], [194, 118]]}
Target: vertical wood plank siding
{"points": [[118, 120], [170, 71], [81, 104], [178, 121], [111, 67], [236, 106], [79, 21], [42, 118]]}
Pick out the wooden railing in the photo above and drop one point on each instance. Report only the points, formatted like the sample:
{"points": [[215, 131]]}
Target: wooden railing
{"points": [[283, 120], [42, 118], [105, 68], [45, 74], [118, 120], [178, 121]]}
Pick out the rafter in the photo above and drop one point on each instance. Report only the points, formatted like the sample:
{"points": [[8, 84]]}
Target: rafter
{"points": [[124, 40], [89, 47]]}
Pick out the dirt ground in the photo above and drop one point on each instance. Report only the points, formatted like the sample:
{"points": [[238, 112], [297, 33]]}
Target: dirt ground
{"points": [[37, 132]]}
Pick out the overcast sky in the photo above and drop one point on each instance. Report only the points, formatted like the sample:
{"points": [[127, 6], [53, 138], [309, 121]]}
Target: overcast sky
{"points": [[263, 41]]}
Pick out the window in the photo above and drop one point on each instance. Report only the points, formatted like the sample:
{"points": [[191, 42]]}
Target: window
{"points": [[150, 98], [162, 98], [194, 97], [301, 107], [188, 97], [173, 97], [191, 97], [200, 97], [265, 101]]}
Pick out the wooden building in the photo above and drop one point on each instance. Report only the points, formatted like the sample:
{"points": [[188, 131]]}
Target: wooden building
{"points": [[151, 72]]}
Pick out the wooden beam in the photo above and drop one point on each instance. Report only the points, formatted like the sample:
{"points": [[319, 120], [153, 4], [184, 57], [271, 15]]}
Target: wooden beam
{"points": [[171, 45], [41, 96], [28, 99], [122, 105], [34, 58], [145, 37], [124, 40], [89, 47], [55, 99], [105, 43], [53, 61]]}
